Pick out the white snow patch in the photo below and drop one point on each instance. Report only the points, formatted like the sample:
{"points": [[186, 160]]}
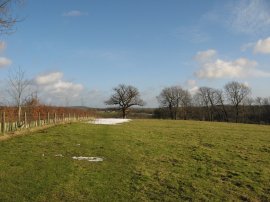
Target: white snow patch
{"points": [[109, 121], [92, 159]]}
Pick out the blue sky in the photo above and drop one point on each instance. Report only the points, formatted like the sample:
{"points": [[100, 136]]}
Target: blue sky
{"points": [[77, 51]]}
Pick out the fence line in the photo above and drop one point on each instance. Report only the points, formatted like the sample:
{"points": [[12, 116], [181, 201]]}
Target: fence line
{"points": [[11, 126]]}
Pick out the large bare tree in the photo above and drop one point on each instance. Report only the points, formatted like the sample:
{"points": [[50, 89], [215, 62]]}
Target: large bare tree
{"points": [[172, 98], [236, 93], [18, 89], [125, 96]]}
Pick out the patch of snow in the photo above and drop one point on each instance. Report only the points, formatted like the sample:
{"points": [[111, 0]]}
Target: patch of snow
{"points": [[59, 155], [92, 159], [109, 121]]}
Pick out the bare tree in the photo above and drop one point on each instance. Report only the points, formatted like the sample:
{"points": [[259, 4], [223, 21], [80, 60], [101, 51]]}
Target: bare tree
{"points": [[221, 102], [205, 98], [236, 93], [18, 89], [186, 103], [125, 96], [171, 98], [167, 100], [7, 19], [211, 101]]}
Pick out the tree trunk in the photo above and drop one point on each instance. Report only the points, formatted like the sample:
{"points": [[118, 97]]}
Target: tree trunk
{"points": [[175, 114], [124, 113], [236, 114], [176, 110], [185, 113], [171, 111], [225, 113]]}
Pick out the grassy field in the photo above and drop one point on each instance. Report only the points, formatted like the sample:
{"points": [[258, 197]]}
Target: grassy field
{"points": [[144, 160]]}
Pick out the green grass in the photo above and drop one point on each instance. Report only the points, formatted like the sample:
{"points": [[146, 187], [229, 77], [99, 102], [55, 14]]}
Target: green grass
{"points": [[143, 160]]}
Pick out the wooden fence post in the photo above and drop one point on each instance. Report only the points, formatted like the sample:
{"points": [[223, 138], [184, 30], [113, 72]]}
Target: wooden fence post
{"points": [[25, 120], [63, 117], [48, 118], [39, 121]]}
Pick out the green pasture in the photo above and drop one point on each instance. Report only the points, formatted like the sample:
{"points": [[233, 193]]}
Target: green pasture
{"points": [[144, 160]]}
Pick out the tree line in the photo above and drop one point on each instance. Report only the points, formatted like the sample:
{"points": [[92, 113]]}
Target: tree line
{"points": [[233, 103]]}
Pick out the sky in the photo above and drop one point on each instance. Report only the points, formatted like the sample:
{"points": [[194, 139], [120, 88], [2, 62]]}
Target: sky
{"points": [[76, 51]]}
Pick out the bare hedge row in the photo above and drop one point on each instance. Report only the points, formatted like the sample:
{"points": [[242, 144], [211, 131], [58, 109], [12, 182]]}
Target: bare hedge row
{"points": [[41, 112]]}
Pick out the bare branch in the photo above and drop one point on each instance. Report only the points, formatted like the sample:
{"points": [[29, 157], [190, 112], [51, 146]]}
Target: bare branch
{"points": [[7, 18]]}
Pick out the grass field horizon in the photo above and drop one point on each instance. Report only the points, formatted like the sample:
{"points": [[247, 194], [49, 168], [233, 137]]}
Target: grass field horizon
{"points": [[144, 160]]}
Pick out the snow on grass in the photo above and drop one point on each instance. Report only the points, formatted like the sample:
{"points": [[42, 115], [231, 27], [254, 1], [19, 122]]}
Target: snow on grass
{"points": [[92, 159], [109, 121]]}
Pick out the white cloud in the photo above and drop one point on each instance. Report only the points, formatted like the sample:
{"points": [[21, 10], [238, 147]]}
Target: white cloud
{"points": [[49, 78], [2, 46], [250, 16], [66, 87], [193, 90], [54, 88], [4, 62], [191, 83], [246, 84], [75, 13], [192, 86], [220, 68], [217, 68], [262, 46], [204, 56]]}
